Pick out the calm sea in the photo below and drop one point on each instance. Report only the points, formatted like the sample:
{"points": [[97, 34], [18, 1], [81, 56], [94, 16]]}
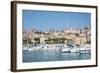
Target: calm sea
{"points": [[39, 56]]}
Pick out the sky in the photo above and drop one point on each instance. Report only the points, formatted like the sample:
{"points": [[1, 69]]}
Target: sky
{"points": [[54, 20]]}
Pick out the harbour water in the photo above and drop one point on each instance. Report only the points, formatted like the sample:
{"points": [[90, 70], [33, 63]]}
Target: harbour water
{"points": [[41, 56]]}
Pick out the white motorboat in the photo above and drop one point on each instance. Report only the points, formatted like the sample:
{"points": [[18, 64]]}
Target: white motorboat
{"points": [[26, 47], [35, 48], [30, 49], [85, 49], [74, 50], [65, 49]]}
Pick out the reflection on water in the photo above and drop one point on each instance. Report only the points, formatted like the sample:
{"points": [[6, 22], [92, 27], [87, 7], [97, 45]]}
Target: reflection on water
{"points": [[38, 56]]}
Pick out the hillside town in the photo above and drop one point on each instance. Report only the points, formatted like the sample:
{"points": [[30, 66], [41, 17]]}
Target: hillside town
{"points": [[67, 36]]}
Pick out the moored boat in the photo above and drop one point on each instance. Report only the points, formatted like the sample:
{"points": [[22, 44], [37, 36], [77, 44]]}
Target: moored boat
{"points": [[85, 49], [74, 50], [65, 50]]}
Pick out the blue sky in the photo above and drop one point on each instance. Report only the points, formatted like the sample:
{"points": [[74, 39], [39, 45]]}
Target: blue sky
{"points": [[48, 20]]}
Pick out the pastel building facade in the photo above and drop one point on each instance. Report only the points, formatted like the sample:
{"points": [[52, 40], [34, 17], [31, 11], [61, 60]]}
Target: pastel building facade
{"points": [[77, 36]]}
